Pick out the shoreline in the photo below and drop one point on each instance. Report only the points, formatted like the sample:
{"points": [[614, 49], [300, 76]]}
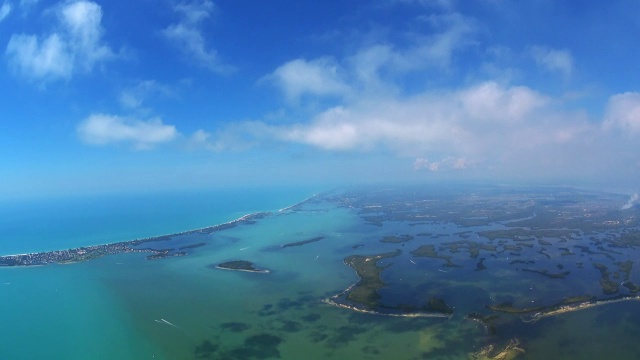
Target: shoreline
{"points": [[203, 230], [263, 271], [563, 309], [332, 302], [298, 203], [84, 253]]}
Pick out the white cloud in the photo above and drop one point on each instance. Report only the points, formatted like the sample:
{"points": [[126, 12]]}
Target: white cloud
{"points": [[505, 130], [448, 163], [492, 102], [623, 112], [454, 33], [104, 129], [5, 10], [48, 59], [554, 60], [299, 77], [374, 69], [188, 37], [82, 20], [134, 97], [77, 46], [453, 121]]}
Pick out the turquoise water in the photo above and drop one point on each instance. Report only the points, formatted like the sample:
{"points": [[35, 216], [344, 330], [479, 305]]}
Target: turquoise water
{"points": [[82, 310], [57, 223], [126, 307]]}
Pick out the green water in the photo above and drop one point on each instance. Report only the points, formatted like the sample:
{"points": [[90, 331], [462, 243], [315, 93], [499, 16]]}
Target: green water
{"points": [[126, 307]]}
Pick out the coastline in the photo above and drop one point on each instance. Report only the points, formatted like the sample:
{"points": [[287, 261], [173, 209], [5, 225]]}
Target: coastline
{"points": [[84, 253], [263, 271], [299, 203], [332, 301], [559, 310]]}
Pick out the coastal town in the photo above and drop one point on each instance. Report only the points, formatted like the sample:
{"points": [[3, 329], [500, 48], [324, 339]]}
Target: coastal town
{"points": [[91, 252]]}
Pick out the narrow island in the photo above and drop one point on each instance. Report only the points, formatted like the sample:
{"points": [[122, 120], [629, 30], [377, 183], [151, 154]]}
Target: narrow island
{"points": [[304, 242], [570, 304], [92, 252]]}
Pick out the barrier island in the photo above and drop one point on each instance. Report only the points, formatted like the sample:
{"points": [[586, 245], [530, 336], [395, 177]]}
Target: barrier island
{"points": [[153, 245]]}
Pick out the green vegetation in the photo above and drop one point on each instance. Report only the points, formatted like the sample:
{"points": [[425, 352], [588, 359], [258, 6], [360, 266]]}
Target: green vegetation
{"points": [[304, 242], [487, 320], [565, 252], [396, 239], [438, 305], [608, 286], [430, 252], [366, 291], [630, 239], [625, 267], [522, 234], [577, 299], [508, 307], [633, 288], [545, 272], [239, 265]]}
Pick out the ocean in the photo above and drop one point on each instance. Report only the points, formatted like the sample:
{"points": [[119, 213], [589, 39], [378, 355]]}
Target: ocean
{"points": [[127, 307], [95, 309]]}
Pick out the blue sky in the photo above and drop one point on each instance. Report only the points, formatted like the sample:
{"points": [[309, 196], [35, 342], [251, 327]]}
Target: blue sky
{"points": [[151, 95]]}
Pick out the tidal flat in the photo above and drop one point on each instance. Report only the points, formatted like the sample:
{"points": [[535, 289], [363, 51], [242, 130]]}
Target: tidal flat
{"points": [[452, 273]]}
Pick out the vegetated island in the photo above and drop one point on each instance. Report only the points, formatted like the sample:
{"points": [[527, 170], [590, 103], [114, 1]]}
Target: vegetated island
{"points": [[239, 265], [96, 251], [363, 296], [510, 351], [304, 242], [570, 304]]}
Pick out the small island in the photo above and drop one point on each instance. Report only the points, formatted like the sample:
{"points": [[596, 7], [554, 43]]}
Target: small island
{"points": [[239, 265]]}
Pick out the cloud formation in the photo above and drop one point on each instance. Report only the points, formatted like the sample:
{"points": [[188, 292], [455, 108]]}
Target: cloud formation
{"points": [[104, 129], [188, 37], [623, 113], [444, 164], [77, 45], [319, 77], [5, 10], [373, 69], [134, 97], [554, 60], [456, 121]]}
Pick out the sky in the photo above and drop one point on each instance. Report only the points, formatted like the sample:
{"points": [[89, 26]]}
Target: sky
{"points": [[152, 95]]}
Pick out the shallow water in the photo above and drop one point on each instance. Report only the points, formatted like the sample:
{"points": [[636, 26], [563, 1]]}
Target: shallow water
{"points": [[124, 306]]}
